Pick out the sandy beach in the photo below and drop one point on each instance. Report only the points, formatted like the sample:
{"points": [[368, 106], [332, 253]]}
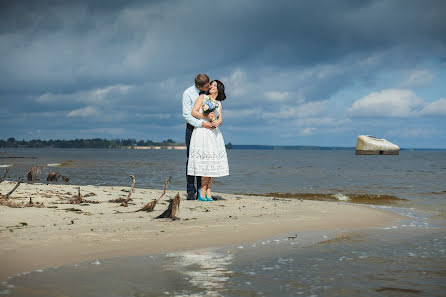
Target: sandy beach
{"points": [[63, 233]]}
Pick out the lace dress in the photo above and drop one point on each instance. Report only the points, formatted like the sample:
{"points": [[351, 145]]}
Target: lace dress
{"points": [[207, 152]]}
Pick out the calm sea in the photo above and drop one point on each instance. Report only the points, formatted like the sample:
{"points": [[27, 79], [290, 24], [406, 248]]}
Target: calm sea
{"points": [[405, 259]]}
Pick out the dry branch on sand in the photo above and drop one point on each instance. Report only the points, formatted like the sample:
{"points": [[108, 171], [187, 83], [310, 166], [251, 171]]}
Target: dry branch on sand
{"points": [[125, 203], [6, 197], [13, 204], [4, 200], [172, 209], [151, 205]]}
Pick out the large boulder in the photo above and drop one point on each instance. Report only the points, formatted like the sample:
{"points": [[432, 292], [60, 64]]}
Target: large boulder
{"points": [[369, 145]]}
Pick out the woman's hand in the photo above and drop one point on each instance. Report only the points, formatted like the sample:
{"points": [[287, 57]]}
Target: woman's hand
{"points": [[211, 116]]}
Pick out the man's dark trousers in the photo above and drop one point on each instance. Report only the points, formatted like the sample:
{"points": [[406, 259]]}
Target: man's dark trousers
{"points": [[191, 190]]}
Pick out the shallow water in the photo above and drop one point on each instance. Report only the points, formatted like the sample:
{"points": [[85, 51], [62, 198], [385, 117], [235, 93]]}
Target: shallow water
{"points": [[405, 259], [414, 175], [304, 264]]}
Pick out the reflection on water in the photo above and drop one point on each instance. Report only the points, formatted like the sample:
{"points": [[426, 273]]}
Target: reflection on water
{"points": [[369, 263], [205, 269]]}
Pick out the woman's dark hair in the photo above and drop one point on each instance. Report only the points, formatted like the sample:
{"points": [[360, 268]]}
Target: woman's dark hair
{"points": [[221, 90]]}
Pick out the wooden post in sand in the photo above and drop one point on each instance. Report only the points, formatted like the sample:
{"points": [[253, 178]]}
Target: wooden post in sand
{"points": [[125, 203], [78, 199]]}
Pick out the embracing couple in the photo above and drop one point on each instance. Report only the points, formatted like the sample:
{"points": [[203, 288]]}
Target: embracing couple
{"points": [[206, 152]]}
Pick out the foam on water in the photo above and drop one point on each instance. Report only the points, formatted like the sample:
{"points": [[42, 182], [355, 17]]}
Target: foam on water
{"points": [[341, 197]]}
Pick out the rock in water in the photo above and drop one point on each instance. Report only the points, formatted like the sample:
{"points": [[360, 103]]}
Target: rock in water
{"points": [[369, 145]]}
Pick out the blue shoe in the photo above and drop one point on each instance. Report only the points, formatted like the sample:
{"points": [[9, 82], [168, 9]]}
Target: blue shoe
{"points": [[209, 198], [199, 196]]}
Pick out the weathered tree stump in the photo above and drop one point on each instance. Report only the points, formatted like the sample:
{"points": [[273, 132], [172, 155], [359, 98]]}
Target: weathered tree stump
{"points": [[33, 173], [151, 205], [172, 209], [125, 203], [53, 176]]}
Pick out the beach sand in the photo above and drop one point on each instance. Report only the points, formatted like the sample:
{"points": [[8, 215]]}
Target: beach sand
{"points": [[32, 238]]}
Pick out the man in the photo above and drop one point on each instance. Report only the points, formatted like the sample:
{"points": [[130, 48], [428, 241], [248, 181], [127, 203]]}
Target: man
{"points": [[189, 96]]}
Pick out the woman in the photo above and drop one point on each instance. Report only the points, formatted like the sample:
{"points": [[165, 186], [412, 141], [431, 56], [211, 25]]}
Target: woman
{"points": [[207, 154]]}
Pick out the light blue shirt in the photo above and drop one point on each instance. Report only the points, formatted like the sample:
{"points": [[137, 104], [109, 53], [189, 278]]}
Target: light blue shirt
{"points": [[189, 96]]}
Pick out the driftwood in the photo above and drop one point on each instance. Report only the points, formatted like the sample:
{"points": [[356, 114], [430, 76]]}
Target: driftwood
{"points": [[118, 200], [125, 203], [6, 197], [151, 205], [78, 199], [4, 200], [14, 204], [4, 174], [54, 176], [33, 173], [172, 209]]}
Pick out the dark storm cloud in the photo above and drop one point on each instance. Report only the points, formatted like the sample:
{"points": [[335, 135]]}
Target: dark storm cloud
{"points": [[77, 44], [127, 58]]}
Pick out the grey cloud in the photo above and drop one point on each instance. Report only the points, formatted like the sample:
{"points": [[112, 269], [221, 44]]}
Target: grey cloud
{"points": [[86, 45], [308, 50]]}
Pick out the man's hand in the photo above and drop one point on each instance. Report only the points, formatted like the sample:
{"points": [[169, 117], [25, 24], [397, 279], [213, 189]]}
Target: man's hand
{"points": [[208, 125]]}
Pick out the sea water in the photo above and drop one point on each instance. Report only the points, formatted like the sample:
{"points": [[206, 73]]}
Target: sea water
{"points": [[407, 258]]}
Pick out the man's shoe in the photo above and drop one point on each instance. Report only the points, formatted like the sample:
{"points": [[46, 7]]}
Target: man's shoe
{"points": [[191, 196]]}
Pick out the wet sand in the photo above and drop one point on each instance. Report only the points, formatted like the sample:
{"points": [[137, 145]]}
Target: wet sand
{"points": [[63, 233]]}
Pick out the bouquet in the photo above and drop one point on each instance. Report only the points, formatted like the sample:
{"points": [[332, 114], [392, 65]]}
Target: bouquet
{"points": [[209, 105]]}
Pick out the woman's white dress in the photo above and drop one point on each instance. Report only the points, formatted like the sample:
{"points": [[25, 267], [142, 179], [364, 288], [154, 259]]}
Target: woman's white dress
{"points": [[207, 152]]}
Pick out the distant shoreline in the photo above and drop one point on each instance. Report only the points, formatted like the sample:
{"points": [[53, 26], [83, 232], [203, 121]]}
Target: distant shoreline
{"points": [[180, 146]]}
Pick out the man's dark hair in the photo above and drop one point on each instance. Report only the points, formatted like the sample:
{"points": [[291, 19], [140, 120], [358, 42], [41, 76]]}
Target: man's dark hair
{"points": [[201, 79]]}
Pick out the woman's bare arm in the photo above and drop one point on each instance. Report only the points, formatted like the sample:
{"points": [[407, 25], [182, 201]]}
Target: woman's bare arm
{"points": [[219, 120]]}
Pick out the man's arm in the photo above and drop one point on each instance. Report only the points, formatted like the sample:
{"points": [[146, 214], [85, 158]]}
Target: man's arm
{"points": [[187, 111]]}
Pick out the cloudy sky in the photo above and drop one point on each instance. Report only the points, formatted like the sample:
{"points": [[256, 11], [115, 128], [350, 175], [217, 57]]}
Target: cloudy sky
{"points": [[296, 72]]}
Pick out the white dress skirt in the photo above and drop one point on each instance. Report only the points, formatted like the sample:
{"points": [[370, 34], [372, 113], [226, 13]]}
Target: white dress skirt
{"points": [[207, 153]]}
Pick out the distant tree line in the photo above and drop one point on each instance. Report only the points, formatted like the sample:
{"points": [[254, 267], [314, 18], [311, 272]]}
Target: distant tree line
{"points": [[83, 143]]}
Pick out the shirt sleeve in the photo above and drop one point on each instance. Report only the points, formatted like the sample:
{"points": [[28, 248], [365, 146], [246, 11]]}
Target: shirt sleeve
{"points": [[187, 110]]}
